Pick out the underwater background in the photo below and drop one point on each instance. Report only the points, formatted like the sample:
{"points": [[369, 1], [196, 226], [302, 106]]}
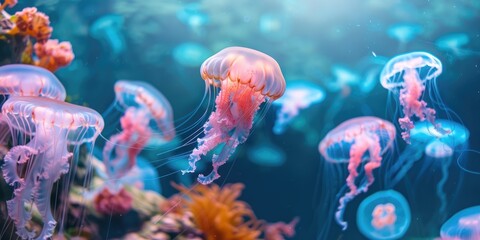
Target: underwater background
{"points": [[339, 46]]}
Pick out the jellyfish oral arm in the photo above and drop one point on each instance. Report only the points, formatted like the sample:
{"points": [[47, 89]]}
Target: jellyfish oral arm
{"points": [[236, 105], [361, 145], [410, 97]]}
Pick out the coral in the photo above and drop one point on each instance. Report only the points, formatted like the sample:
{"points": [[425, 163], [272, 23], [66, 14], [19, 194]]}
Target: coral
{"points": [[53, 54], [9, 3], [218, 214], [107, 202], [32, 23], [276, 231]]}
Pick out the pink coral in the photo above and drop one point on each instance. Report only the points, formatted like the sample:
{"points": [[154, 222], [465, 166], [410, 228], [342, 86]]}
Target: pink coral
{"points": [[32, 23], [53, 54], [277, 231], [107, 202]]}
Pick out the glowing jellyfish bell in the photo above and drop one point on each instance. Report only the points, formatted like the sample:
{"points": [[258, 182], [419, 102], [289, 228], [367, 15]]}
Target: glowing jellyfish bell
{"points": [[407, 76], [356, 141], [33, 167], [246, 78], [463, 225], [108, 30], [298, 95], [453, 43], [190, 54], [384, 215], [404, 32]]}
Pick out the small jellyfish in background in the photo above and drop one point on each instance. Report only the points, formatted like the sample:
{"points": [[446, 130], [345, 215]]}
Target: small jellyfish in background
{"points": [[384, 215], [193, 16], [246, 78], [454, 43], [108, 30], [358, 142], [407, 76], [274, 26], [298, 95], [32, 167], [463, 225], [147, 114], [191, 54], [265, 153], [404, 33]]}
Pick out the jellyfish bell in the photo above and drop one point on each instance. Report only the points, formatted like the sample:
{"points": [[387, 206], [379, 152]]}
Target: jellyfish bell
{"points": [[107, 29], [360, 142], [408, 76], [438, 149], [384, 215], [266, 154], [36, 162], [190, 54], [404, 32], [298, 95], [454, 43], [273, 26], [464, 224], [246, 78]]}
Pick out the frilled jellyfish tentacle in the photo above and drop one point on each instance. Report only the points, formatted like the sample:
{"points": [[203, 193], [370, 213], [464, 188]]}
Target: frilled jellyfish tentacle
{"points": [[410, 100], [362, 144], [54, 169], [23, 188]]}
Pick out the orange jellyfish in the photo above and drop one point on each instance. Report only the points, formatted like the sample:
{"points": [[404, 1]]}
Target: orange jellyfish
{"points": [[246, 79]]}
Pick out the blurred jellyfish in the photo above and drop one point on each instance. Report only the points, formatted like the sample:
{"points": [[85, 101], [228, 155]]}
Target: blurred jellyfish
{"points": [[463, 225], [454, 43], [146, 110], [190, 54], [407, 76], [438, 147], [246, 79], [266, 154], [193, 16], [384, 215], [360, 142], [274, 26], [404, 32], [108, 30], [32, 167], [298, 95]]}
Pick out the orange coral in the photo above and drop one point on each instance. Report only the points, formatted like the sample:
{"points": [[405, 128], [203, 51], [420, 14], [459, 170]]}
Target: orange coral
{"points": [[32, 23], [219, 215], [52, 54], [9, 3]]}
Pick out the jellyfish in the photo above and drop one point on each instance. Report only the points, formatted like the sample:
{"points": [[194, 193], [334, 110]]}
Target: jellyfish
{"points": [[193, 16], [146, 110], [298, 95], [404, 32], [265, 153], [360, 142], [246, 79], [438, 148], [190, 54], [33, 167], [454, 43], [384, 215], [27, 80], [108, 30], [407, 77], [274, 26], [463, 225]]}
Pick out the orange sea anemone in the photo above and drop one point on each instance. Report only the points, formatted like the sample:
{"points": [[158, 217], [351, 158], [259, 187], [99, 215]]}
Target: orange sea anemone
{"points": [[219, 215], [53, 54], [32, 23]]}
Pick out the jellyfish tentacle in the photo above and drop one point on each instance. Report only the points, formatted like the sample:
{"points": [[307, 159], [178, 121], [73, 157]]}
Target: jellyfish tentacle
{"points": [[440, 191], [361, 145]]}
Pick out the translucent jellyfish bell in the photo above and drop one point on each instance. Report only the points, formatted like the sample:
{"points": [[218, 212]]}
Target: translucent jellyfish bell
{"points": [[298, 95], [408, 76], [384, 215], [360, 142], [246, 78], [343, 77], [266, 154], [193, 16], [191, 54], [274, 25], [463, 225], [28, 80], [453, 43], [404, 32]]}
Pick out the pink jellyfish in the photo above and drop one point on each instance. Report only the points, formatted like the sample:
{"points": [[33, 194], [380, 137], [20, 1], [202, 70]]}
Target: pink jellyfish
{"points": [[32, 167], [246, 79], [362, 139], [146, 110], [407, 75]]}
